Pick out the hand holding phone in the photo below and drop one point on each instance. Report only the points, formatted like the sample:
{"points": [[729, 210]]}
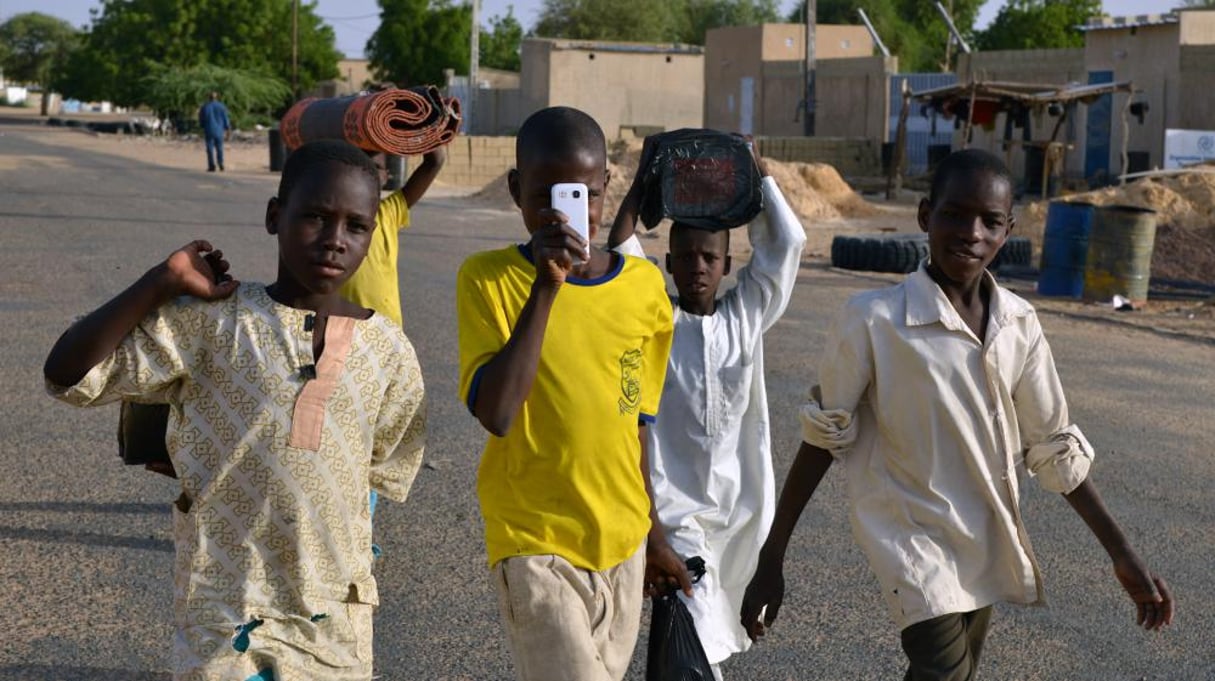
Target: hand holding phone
{"points": [[571, 198]]}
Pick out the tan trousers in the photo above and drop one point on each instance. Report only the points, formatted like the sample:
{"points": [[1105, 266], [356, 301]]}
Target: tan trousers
{"points": [[564, 622]]}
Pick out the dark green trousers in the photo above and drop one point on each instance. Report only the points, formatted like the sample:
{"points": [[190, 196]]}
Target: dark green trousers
{"points": [[946, 648]]}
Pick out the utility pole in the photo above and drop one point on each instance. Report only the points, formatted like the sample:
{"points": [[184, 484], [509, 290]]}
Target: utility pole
{"points": [[945, 68], [474, 61], [877, 39], [810, 12], [295, 49], [953, 29]]}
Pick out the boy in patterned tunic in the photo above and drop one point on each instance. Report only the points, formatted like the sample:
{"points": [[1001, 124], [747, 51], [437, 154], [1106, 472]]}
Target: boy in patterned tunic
{"points": [[288, 406]]}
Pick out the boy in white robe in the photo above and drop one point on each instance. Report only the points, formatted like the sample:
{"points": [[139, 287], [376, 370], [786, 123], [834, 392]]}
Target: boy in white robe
{"points": [[710, 458]]}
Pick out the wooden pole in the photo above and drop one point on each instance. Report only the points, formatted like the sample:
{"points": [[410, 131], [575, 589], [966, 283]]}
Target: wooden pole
{"points": [[970, 115], [894, 178], [811, 11], [295, 49], [474, 66]]}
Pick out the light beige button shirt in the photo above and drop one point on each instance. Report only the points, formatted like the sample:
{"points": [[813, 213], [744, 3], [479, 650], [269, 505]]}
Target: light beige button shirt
{"points": [[933, 427]]}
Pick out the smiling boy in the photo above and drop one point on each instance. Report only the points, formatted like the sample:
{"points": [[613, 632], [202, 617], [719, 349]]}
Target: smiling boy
{"points": [[936, 395], [288, 405]]}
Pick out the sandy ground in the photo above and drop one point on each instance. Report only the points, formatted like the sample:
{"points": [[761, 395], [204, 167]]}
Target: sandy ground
{"points": [[247, 156]]}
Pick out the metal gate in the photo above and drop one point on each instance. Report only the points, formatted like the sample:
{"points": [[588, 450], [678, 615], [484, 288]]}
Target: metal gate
{"points": [[919, 127]]}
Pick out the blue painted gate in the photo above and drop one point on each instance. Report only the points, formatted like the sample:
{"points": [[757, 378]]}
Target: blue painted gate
{"points": [[1097, 135], [919, 127]]}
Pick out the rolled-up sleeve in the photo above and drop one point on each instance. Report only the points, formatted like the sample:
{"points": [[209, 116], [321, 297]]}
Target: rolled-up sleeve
{"points": [[1062, 462], [828, 417], [1056, 451]]}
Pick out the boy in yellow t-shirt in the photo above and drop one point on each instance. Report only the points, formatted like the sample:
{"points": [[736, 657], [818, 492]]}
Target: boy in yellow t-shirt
{"points": [[563, 363]]}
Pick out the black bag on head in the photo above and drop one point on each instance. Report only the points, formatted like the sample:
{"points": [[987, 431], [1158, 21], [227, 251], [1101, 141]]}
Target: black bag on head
{"points": [[675, 652], [701, 178]]}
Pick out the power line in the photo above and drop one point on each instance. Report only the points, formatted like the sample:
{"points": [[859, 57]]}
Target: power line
{"points": [[361, 16]]}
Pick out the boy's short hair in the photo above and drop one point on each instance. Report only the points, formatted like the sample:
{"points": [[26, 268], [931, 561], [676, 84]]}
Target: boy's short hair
{"points": [[966, 162], [558, 130], [320, 152], [678, 227]]}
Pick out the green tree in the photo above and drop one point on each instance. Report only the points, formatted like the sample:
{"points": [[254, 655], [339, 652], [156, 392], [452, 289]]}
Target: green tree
{"points": [[418, 39], [500, 44], [625, 20], [913, 30], [1038, 24], [36, 45], [684, 21], [704, 15], [176, 93], [129, 39]]}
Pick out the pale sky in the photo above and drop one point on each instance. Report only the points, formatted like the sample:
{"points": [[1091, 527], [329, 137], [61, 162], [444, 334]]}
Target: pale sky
{"points": [[355, 20]]}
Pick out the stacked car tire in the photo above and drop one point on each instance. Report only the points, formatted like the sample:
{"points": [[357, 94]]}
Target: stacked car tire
{"points": [[902, 253]]}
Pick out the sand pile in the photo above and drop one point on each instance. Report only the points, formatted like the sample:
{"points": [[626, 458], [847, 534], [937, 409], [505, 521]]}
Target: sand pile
{"points": [[1185, 213], [815, 191]]}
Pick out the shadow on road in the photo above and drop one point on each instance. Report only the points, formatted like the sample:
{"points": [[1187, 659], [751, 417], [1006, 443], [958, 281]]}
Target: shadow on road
{"points": [[85, 507], [126, 219], [40, 672], [85, 538]]}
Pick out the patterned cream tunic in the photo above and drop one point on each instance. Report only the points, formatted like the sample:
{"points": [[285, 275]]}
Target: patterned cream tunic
{"points": [[276, 454]]}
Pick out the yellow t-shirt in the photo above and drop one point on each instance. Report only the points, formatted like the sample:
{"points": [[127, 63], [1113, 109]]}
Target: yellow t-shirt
{"points": [[566, 479], [374, 284]]}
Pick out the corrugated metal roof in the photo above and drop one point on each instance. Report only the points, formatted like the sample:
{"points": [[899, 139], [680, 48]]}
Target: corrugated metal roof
{"points": [[1116, 23]]}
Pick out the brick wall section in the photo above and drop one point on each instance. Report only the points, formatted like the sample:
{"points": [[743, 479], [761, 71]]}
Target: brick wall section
{"points": [[475, 161], [851, 156]]}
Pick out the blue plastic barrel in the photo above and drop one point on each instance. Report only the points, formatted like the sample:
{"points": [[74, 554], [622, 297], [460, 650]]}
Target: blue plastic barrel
{"points": [[1065, 248]]}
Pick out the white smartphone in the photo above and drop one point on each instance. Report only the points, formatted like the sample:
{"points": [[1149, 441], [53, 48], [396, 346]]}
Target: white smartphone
{"points": [[571, 198]]}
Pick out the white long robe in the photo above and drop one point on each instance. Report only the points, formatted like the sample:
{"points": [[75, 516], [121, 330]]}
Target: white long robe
{"points": [[709, 451]]}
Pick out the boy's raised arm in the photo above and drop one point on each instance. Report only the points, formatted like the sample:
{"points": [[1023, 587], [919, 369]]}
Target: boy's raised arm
{"points": [[1153, 600], [191, 270], [422, 177], [505, 381], [766, 590], [777, 238], [625, 224]]}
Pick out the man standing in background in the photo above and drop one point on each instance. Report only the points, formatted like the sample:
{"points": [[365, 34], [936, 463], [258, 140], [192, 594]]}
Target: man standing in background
{"points": [[213, 119]]}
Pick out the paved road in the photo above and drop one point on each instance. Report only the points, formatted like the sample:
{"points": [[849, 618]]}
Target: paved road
{"points": [[85, 547]]}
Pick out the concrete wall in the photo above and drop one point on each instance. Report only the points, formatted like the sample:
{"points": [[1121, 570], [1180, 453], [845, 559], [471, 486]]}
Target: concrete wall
{"points": [[754, 75], [534, 81], [853, 97], [352, 75], [787, 42], [619, 84], [1197, 26], [1049, 67], [1196, 78], [1149, 57], [732, 55], [852, 157], [498, 111]]}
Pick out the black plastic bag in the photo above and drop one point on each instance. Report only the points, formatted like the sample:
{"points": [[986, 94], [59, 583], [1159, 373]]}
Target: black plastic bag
{"points": [[675, 652], [701, 178]]}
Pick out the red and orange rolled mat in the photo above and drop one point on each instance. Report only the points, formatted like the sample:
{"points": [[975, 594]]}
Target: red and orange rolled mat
{"points": [[399, 121]]}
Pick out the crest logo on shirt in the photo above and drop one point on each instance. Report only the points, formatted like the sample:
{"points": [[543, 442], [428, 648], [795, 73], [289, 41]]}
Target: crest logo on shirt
{"points": [[630, 382]]}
